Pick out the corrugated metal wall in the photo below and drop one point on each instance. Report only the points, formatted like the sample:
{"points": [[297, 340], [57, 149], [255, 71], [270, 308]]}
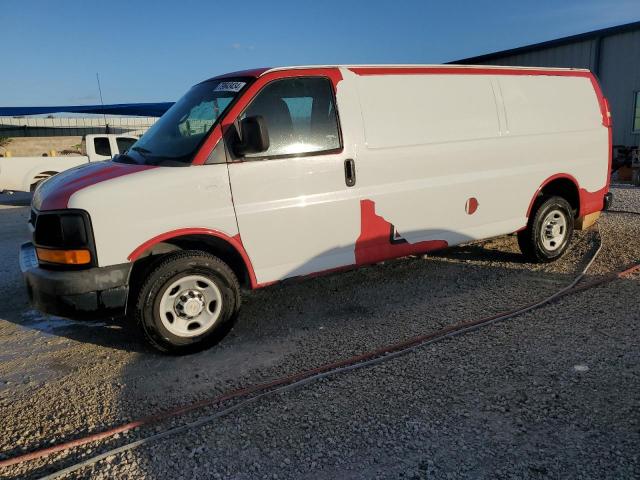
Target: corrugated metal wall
{"points": [[618, 70], [620, 77], [576, 55]]}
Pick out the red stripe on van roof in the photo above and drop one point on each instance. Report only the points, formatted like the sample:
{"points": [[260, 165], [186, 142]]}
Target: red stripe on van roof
{"points": [[466, 71], [254, 72]]}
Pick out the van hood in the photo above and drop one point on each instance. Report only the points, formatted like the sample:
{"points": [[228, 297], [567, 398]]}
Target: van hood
{"points": [[54, 194]]}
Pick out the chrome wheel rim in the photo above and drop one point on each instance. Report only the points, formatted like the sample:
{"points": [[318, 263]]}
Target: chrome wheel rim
{"points": [[554, 230], [190, 306]]}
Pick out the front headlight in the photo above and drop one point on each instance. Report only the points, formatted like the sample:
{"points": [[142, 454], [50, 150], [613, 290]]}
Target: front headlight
{"points": [[64, 238]]}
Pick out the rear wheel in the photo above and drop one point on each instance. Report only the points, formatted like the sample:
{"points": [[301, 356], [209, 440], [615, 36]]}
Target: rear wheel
{"points": [[548, 231], [189, 302]]}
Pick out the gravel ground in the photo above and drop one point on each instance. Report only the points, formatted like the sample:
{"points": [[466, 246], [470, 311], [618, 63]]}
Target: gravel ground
{"points": [[554, 393]]}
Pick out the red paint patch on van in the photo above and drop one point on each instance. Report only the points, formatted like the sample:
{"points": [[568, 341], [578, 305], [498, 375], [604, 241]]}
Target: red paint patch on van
{"points": [[375, 243], [471, 205], [591, 202]]}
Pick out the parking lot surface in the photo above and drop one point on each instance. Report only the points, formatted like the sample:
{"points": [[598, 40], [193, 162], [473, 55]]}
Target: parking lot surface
{"points": [[553, 393]]}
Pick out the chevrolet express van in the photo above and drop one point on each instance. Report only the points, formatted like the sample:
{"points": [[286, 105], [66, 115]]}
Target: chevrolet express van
{"points": [[262, 175]]}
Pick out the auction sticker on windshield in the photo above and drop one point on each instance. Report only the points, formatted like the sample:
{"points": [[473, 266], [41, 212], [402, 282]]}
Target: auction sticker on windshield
{"points": [[229, 86]]}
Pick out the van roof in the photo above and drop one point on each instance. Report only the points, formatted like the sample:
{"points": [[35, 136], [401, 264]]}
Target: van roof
{"points": [[257, 72]]}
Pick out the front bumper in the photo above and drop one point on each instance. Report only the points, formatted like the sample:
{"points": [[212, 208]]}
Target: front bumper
{"points": [[77, 294]]}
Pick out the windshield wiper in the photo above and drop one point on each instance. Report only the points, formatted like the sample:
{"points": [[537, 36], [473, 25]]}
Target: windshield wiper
{"points": [[141, 150], [159, 160], [125, 158]]}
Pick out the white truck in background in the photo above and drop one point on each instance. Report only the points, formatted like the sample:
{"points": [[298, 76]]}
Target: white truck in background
{"points": [[23, 174]]}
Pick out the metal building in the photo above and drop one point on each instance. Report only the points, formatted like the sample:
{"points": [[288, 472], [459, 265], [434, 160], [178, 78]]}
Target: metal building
{"points": [[613, 54]]}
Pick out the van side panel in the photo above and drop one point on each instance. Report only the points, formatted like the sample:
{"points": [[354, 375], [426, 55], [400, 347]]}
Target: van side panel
{"points": [[421, 182], [408, 110], [452, 140], [546, 104], [556, 125]]}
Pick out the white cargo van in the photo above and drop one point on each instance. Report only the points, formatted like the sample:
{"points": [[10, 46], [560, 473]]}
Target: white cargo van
{"points": [[258, 176]]}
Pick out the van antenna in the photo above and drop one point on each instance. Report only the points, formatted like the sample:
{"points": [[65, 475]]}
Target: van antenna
{"points": [[102, 103]]}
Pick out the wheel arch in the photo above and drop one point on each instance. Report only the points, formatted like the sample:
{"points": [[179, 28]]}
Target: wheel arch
{"points": [[562, 185], [228, 249], [39, 176]]}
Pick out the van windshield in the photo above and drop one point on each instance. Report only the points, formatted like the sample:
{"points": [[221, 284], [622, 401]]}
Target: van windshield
{"points": [[175, 138]]}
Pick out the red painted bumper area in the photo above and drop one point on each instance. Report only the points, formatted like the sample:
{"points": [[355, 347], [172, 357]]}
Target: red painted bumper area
{"points": [[591, 202]]}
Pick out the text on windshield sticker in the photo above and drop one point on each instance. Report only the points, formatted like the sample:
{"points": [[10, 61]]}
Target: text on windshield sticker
{"points": [[229, 86]]}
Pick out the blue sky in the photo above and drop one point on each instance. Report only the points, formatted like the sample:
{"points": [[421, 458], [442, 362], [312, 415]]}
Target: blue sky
{"points": [[150, 51]]}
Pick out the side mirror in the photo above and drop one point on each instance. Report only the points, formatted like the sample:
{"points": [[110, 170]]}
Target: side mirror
{"points": [[255, 138]]}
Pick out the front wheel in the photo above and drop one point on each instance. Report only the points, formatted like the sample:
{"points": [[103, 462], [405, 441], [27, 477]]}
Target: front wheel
{"points": [[188, 302], [548, 231]]}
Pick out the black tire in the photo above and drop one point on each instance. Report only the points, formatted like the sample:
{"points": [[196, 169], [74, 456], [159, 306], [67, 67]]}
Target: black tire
{"points": [[530, 239], [35, 185], [161, 276]]}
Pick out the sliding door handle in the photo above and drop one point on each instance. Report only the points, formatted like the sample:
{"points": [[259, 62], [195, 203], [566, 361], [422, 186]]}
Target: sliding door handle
{"points": [[350, 172]]}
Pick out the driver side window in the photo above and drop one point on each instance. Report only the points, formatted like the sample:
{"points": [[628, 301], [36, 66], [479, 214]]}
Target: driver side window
{"points": [[300, 116]]}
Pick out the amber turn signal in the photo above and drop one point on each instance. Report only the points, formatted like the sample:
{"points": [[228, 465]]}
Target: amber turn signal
{"points": [[68, 257]]}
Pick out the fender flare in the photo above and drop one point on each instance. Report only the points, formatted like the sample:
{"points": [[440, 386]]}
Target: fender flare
{"points": [[546, 182], [235, 242]]}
